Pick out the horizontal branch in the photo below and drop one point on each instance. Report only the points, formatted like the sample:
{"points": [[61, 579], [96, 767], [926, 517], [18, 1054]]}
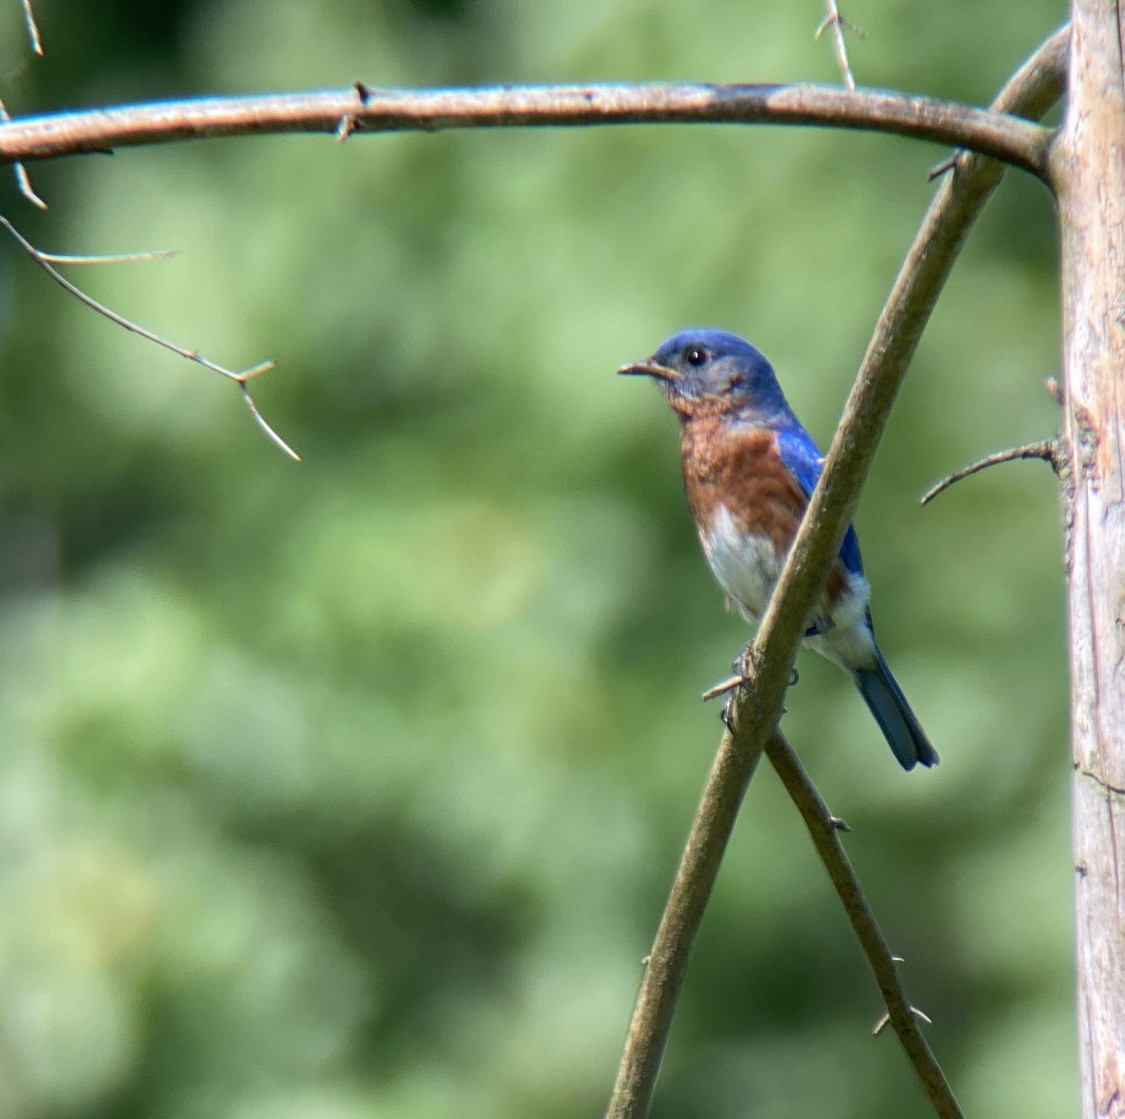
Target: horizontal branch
{"points": [[360, 109]]}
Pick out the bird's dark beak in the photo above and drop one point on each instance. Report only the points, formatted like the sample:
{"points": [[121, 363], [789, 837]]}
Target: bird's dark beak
{"points": [[648, 369]]}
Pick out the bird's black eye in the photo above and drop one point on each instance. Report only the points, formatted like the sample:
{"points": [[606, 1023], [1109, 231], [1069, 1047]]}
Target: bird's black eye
{"points": [[695, 355]]}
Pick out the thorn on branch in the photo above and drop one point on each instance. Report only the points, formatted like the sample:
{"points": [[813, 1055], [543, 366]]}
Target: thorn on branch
{"points": [[348, 122], [1046, 449], [346, 127], [47, 262], [944, 166], [884, 1021]]}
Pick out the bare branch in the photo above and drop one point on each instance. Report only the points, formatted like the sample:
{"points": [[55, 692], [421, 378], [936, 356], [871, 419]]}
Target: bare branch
{"points": [[901, 1014], [959, 199], [107, 258], [32, 28], [1046, 449], [23, 181], [355, 110], [240, 377], [836, 21]]}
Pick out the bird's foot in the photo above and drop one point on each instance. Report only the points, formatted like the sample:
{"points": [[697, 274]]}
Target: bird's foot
{"points": [[727, 713], [743, 678]]}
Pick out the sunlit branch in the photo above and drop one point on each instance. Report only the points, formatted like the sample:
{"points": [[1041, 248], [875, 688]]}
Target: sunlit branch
{"points": [[32, 28], [959, 200], [361, 109]]}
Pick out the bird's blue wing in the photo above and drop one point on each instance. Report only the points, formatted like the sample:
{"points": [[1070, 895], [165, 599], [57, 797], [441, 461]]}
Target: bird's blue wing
{"points": [[804, 461]]}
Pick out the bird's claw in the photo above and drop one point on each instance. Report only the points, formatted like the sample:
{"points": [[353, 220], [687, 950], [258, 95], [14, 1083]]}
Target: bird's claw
{"points": [[744, 666]]}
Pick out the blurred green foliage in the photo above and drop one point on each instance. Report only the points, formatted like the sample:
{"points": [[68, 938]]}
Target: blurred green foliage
{"points": [[354, 788]]}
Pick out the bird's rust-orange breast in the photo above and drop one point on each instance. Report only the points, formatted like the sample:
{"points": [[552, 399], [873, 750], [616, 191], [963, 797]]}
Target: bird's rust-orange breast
{"points": [[742, 470]]}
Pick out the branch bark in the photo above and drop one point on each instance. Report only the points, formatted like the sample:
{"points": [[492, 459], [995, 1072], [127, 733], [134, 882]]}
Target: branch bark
{"points": [[1088, 175], [1033, 89], [360, 109], [826, 839]]}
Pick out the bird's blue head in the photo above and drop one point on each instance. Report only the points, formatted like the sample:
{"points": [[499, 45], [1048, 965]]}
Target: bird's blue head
{"points": [[712, 371]]}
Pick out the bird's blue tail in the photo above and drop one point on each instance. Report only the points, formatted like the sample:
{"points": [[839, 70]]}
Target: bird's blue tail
{"points": [[902, 730]]}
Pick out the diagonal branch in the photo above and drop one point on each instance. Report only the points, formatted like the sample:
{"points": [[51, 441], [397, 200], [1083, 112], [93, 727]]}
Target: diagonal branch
{"points": [[240, 377], [32, 28], [825, 833], [834, 20], [1032, 90], [360, 109]]}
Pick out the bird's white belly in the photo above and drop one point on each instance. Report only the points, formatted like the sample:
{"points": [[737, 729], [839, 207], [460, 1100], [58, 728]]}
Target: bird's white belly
{"points": [[746, 566]]}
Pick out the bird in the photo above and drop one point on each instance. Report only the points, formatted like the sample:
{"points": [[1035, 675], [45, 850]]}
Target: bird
{"points": [[749, 469]]}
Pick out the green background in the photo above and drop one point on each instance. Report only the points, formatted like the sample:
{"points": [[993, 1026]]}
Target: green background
{"points": [[354, 788]]}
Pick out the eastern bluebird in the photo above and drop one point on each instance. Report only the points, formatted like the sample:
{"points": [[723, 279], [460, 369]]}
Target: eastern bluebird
{"points": [[749, 468]]}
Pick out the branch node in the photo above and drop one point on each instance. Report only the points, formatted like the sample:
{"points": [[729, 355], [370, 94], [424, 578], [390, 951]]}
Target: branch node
{"points": [[839, 25], [1046, 449]]}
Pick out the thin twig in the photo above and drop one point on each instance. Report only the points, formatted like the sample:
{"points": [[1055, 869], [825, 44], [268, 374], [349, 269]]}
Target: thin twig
{"points": [[901, 1014], [960, 198], [107, 258], [32, 28], [1007, 138], [722, 688], [23, 180], [1046, 449], [837, 22], [240, 377]]}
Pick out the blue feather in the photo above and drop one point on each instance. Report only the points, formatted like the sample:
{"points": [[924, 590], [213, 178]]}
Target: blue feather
{"points": [[902, 730]]}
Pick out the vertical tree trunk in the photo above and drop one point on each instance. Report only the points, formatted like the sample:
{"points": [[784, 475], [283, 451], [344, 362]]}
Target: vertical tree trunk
{"points": [[1089, 179]]}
